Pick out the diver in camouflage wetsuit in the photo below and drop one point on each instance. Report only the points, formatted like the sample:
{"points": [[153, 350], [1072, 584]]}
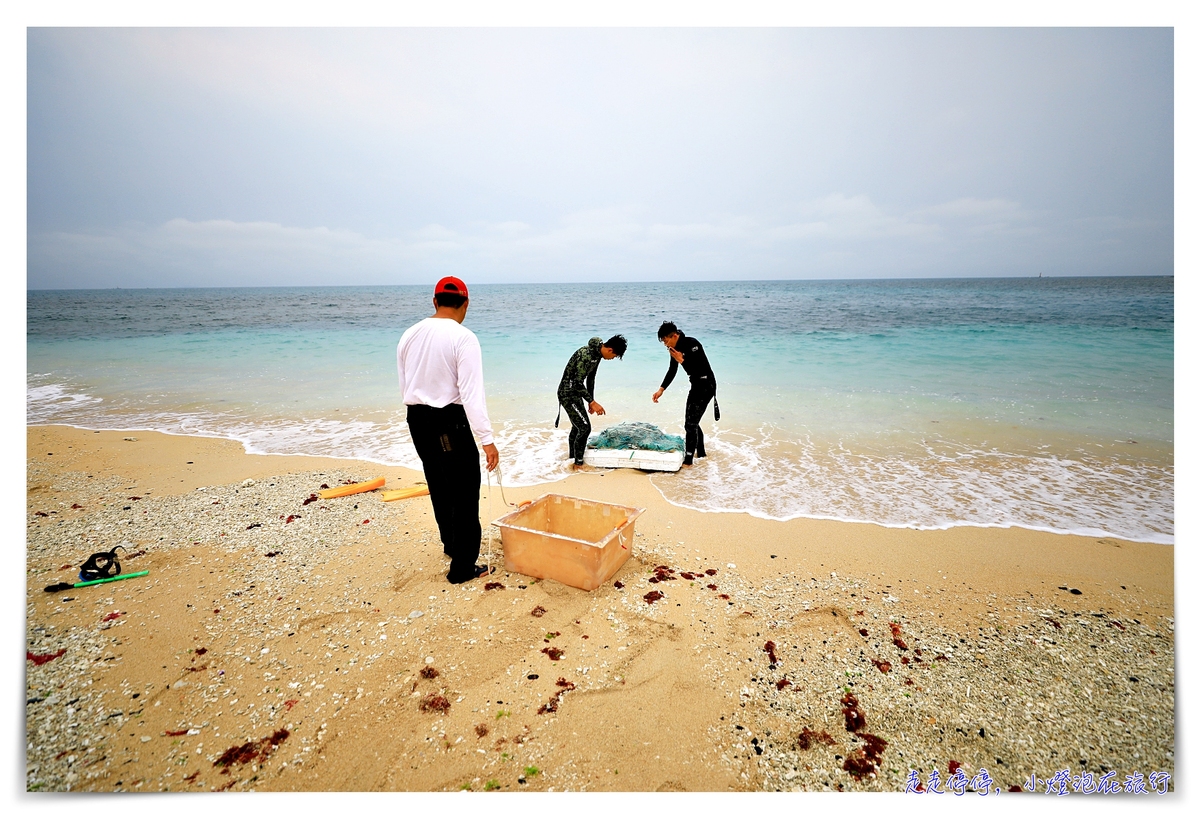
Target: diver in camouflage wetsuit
{"points": [[576, 390]]}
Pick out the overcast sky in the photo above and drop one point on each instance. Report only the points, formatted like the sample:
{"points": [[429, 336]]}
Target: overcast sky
{"points": [[212, 157]]}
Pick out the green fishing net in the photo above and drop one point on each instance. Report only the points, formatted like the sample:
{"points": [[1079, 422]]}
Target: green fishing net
{"points": [[636, 435]]}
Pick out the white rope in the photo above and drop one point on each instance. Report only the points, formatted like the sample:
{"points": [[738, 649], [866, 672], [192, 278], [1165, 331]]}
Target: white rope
{"points": [[500, 483], [491, 514]]}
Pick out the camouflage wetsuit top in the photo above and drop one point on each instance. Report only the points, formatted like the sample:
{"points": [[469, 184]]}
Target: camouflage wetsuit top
{"points": [[579, 378]]}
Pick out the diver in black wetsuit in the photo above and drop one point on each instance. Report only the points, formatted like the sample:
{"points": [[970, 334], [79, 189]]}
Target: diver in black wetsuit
{"points": [[690, 353]]}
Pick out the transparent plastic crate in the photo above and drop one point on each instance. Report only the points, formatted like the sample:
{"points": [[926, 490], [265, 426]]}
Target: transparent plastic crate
{"points": [[572, 540]]}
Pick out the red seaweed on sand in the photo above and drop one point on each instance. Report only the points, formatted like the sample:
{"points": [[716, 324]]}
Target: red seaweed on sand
{"points": [[808, 738], [864, 761], [43, 658], [855, 718], [552, 705], [252, 750], [434, 703]]}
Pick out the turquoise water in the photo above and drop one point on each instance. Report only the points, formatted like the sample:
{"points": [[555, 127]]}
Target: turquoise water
{"points": [[1044, 403]]}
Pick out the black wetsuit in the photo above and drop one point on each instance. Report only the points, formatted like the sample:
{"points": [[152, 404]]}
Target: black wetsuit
{"points": [[576, 391], [704, 389]]}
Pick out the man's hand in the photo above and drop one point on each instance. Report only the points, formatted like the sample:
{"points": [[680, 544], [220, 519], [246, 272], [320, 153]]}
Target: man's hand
{"points": [[659, 393], [677, 355], [493, 456], [595, 408]]}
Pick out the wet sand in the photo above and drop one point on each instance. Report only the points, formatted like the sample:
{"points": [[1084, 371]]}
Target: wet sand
{"points": [[328, 652]]}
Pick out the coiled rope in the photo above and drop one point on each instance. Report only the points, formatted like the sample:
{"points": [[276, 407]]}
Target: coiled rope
{"points": [[492, 514]]}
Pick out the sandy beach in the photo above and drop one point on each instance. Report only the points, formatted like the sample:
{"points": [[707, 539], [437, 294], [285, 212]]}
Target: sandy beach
{"points": [[284, 645]]}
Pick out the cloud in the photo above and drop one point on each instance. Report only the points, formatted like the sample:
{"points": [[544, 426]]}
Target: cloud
{"points": [[201, 253], [968, 208], [300, 156], [834, 235], [853, 218]]}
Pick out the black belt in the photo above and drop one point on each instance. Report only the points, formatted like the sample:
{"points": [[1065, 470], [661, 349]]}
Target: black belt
{"points": [[424, 409]]}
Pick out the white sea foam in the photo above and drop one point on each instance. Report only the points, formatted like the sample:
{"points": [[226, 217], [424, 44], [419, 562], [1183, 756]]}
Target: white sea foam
{"points": [[763, 473], [45, 400], [938, 490]]}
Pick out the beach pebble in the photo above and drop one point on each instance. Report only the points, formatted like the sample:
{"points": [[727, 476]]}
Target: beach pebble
{"points": [[1029, 653], [730, 565], [247, 483]]}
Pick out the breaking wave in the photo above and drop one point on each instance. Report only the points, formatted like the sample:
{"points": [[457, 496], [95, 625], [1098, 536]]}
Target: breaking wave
{"points": [[929, 486]]}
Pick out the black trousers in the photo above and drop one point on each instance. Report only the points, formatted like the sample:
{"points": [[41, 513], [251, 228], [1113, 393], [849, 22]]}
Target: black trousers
{"points": [[581, 427], [450, 459], [697, 404]]}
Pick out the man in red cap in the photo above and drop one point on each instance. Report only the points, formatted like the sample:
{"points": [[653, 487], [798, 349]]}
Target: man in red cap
{"points": [[441, 378]]}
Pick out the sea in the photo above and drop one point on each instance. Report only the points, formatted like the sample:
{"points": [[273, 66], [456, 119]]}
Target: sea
{"points": [[1042, 403]]}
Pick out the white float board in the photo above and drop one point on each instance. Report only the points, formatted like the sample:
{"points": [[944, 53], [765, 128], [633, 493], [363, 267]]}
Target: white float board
{"points": [[633, 459]]}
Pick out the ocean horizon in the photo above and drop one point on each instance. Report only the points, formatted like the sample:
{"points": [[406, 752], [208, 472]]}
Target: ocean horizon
{"points": [[1043, 403]]}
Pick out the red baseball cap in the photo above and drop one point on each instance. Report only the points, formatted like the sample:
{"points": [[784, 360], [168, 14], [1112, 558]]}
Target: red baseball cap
{"points": [[452, 286]]}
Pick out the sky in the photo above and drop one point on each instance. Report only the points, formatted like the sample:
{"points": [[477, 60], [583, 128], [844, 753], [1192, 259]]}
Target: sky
{"points": [[202, 157], [167, 157]]}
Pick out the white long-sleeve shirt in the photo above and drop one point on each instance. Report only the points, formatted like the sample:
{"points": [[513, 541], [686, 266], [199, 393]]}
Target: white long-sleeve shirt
{"points": [[440, 363]]}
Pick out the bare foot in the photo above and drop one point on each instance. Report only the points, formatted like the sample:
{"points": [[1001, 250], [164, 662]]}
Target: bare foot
{"points": [[685, 465], [584, 467]]}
